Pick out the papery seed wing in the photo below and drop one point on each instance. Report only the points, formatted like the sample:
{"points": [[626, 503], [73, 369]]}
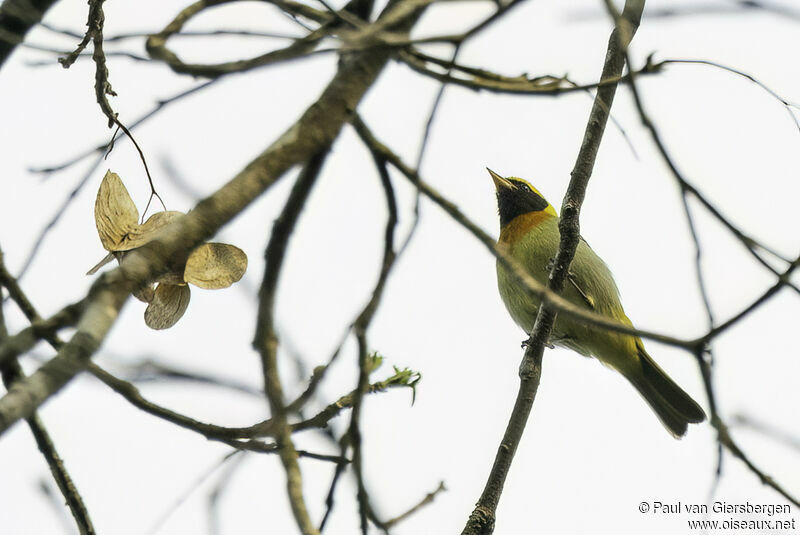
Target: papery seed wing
{"points": [[147, 231], [215, 265], [115, 215], [168, 305], [108, 258], [144, 293]]}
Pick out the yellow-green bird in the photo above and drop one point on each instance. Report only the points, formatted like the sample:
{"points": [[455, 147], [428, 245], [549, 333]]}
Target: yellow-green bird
{"points": [[529, 231]]}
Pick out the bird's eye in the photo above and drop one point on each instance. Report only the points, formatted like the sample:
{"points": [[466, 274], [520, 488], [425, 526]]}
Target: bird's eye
{"points": [[525, 187]]}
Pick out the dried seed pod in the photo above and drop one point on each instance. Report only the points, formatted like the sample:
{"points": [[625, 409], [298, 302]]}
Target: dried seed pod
{"points": [[215, 265], [115, 214], [211, 265], [168, 305], [146, 232]]}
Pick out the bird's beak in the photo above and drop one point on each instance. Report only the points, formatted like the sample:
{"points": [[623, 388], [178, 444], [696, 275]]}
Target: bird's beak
{"points": [[500, 182]]}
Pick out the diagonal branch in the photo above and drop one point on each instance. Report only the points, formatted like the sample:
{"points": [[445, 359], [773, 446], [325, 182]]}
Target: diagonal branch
{"points": [[11, 372], [157, 47], [723, 436], [266, 339], [17, 17], [360, 328]]}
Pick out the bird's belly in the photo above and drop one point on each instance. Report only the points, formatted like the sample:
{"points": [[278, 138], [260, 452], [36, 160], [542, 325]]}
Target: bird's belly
{"points": [[524, 307]]}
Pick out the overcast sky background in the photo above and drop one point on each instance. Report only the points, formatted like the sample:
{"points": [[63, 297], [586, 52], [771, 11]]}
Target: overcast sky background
{"points": [[593, 450]]}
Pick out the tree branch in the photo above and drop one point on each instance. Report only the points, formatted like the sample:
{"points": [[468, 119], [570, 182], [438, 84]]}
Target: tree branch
{"points": [[723, 436], [266, 339], [17, 17], [11, 372]]}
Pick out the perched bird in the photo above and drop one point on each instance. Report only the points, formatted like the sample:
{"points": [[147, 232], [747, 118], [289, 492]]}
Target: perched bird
{"points": [[529, 231]]}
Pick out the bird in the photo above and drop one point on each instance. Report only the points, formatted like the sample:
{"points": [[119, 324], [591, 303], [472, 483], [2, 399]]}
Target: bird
{"points": [[529, 233]]}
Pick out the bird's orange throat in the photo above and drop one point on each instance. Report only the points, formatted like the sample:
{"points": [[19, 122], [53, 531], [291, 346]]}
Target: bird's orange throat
{"points": [[521, 225]]}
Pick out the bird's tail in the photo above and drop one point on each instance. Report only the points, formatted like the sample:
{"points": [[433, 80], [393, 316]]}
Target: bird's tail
{"points": [[674, 407]]}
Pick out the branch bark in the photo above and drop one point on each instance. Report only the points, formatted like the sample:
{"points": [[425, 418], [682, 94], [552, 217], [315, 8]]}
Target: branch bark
{"points": [[11, 372], [17, 17]]}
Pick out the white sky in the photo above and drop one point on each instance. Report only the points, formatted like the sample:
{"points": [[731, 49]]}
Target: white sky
{"points": [[593, 450]]}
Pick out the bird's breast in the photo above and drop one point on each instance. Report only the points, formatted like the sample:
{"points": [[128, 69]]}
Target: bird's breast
{"points": [[521, 225]]}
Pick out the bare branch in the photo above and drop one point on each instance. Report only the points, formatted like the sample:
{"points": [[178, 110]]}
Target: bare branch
{"points": [[94, 33], [780, 435], [11, 372], [135, 398], [483, 80], [428, 499], [16, 345], [141, 34], [360, 328], [193, 486], [151, 370], [157, 49], [17, 17], [266, 339], [726, 440], [723, 436]]}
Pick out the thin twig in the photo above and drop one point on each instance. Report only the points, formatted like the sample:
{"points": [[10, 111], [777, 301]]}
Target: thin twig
{"points": [[360, 328], [84, 55], [428, 499], [401, 378], [723, 436], [62, 209], [149, 369], [138, 35], [42, 329], [751, 244], [329, 499], [782, 436], [103, 147], [191, 488], [102, 85], [11, 372], [432, 115], [705, 356], [774, 94], [135, 398], [222, 485], [266, 339], [157, 47], [481, 80]]}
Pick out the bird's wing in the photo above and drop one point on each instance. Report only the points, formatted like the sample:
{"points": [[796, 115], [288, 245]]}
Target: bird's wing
{"points": [[586, 297]]}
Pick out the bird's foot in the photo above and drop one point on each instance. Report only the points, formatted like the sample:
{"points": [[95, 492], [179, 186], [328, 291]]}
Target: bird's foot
{"points": [[528, 341]]}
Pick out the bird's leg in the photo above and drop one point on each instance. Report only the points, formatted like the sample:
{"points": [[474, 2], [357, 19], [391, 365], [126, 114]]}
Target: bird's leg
{"points": [[527, 342]]}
